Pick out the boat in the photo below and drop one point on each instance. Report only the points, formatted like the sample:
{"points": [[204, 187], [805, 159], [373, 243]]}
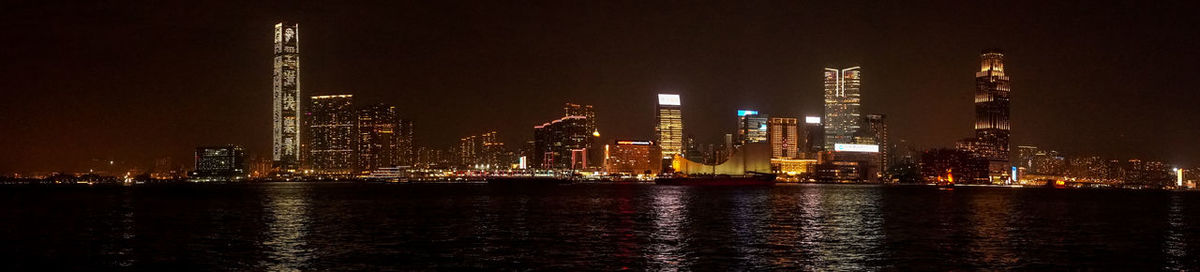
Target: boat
{"points": [[946, 182], [750, 179]]}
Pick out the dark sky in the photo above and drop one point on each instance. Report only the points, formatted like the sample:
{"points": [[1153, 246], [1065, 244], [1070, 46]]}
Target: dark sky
{"points": [[134, 81]]}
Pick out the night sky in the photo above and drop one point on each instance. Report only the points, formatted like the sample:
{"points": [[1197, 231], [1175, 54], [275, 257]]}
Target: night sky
{"points": [[135, 81]]}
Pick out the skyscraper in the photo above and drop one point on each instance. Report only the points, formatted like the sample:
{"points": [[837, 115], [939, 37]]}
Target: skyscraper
{"points": [[378, 138], [219, 163], [585, 111], [482, 152], [842, 104], [876, 125], [332, 128], [563, 144], [992, 89], [669, 128], [784, 137], [814, 136], [752, 127], [286, 84]]}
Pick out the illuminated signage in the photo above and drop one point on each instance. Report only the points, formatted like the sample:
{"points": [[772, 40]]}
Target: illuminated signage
{"points": [[668, 99], [635, 143], [856, 147], [747, 112], [812, 119]]}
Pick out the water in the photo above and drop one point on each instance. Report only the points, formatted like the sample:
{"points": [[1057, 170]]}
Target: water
{"points": [[306, 226]]}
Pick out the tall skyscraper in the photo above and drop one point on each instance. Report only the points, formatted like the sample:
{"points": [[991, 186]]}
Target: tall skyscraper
{"points": [[784, 136], [378, 138], [814, 136], [332, 130], [876, 125], [842, 102], [992, 89], [286, 84], [669, 128], [752, 127], [482, 152], [220, 163], [585, 111]]}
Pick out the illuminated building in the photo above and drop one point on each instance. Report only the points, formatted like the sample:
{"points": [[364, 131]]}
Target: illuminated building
{"points": [[793, 167], [482, 152], [669, 128], [633, 157], [752, 127], [286, 105], [219, 163], [992, 89], [842, 102], [814, 136], [784, 136], [847, 163], [379, 138], [585, 111], [1152, 174], [1094, 168], [564, 143], [1024, 156], [332, 129]]}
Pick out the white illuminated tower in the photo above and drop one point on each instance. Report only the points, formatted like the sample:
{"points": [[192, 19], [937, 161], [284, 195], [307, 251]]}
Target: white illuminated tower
{"points": [[286, 85], [669, 128], [842, 115]]}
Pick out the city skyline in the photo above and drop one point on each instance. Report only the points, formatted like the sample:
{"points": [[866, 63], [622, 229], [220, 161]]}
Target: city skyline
{"points": [[1044, 119]]}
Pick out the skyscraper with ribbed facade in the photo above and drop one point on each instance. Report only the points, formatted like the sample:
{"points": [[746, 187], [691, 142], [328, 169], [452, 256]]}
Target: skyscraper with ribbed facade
{"points": [[842, 103]]}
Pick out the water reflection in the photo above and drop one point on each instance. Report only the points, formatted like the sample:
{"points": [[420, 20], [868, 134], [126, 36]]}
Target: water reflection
{"points": [[1175, 244], [288, 224], [666, 248], [989, 226], [748, 215]]}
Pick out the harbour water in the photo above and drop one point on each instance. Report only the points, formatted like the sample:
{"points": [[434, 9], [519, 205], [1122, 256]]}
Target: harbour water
{"points": [[356, 226]]}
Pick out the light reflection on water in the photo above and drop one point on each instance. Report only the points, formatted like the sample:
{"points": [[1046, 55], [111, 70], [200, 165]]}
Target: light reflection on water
{"points": [[288, 224], [667, 243]]}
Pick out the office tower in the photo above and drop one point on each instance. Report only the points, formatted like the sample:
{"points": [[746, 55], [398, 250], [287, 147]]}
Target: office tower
{"points": [[784, 137], [286, 85], [876, 126], [563, 144], [814, 136], [378, 140], [752, 127], [408, 154], [332, 130], [633, 157], [728, 147], [992, 89], [669, 128], [842, 102], [219, 163], [585, 111], [1024, 157]]}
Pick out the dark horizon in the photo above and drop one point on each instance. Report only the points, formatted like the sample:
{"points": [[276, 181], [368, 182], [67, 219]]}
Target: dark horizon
{"points": [[135, 82]]}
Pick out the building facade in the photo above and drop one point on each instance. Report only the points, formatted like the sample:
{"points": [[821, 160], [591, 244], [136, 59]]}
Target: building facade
{"points": [[633, 157], [564, 143], [332, 126], [483, 151], [669, 125], [286, 105], [842, 105], [992, 88], [876, 127], [219, 163], [378, 138], [814, 136], [784, 136], [752, 127]]}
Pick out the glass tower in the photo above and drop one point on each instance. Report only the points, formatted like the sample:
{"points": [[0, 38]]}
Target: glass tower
{"points": [[842, 116], [669, 128], [286, 105]]}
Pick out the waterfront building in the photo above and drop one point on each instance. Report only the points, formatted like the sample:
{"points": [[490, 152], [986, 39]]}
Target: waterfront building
{"points": [[992, 88], [483, 151], [332, 128], [752, 127], [669, 125], [219, 163], [842, 103], [783, 135], [378, 138], [875, 126], [956, 165], [814, 136], [585, 111], [848, 163], [633, 157], [563, 143], [286, 104]]}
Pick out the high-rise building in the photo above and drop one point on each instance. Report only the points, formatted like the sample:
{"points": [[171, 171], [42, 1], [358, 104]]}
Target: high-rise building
{"points": [[408, 153], [784, 136], [992, 89], [286, 85], [842, 103], [633, 157], [219, 163], [564, 143], [482, 152], [332, 131], [752, 127], [814, 136], [669, 128], [585, 111], [378, 138], [876, 126]]}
